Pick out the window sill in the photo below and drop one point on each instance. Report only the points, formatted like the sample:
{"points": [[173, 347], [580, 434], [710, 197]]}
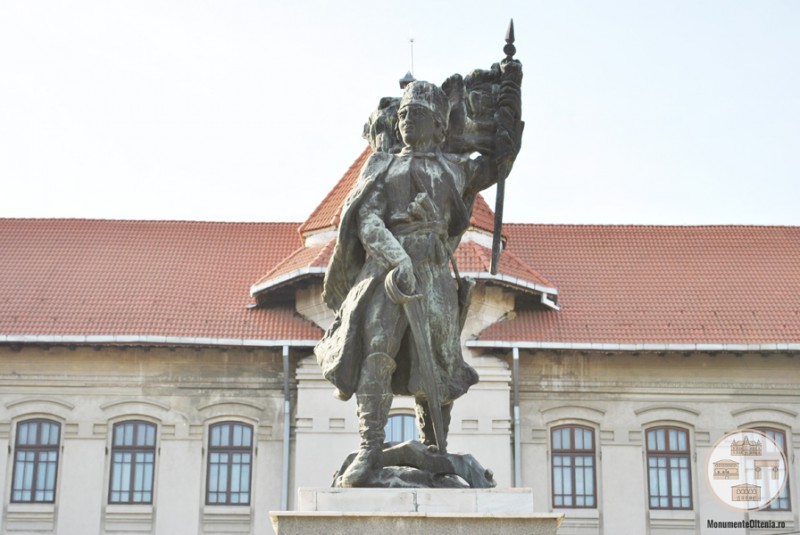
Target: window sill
{"points": [[676, 514], [30, 517], [242, 510], [582, 512], [18, 507], [128, 508]]}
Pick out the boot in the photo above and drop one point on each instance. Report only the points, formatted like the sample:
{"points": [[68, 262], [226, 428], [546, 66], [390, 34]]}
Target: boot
{"points": [[425, 423], [374, 398]]}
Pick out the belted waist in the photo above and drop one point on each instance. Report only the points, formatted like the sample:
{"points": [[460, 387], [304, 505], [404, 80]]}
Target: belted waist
{"points": [[429, 227]]}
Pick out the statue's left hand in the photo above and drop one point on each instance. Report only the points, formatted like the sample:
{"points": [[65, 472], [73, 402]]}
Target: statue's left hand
{"points": [[406, 282]]}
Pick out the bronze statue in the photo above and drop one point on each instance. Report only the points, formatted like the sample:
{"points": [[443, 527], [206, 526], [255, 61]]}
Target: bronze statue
{"points": [[399, 313]]}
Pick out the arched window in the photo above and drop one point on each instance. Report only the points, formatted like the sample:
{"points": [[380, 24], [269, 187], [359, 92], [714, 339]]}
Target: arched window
{"points": [[668, 468], [782, 501], [36, 461], [230, 459], [133, 453], [573, 466], [401, 427]]}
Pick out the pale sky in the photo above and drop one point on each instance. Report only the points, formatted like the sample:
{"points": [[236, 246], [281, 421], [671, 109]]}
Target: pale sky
{"points": [[637, 112]]}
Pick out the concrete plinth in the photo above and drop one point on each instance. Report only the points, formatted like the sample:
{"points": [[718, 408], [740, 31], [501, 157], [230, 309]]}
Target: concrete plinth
{"points": [[441, 511]]}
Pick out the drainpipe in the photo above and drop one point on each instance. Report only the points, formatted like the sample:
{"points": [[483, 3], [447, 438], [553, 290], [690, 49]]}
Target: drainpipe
{"points": [[517, 423], [287, 422]]}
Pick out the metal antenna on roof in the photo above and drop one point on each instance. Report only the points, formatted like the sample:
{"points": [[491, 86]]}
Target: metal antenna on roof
{"points": [[409, 77], [411, 44]]}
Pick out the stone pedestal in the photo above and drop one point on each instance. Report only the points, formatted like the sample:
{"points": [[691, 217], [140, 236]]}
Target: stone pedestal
{"points": [[332, 511]]}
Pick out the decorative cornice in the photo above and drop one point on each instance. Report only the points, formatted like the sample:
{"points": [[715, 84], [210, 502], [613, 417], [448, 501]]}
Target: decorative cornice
{"points": [[54, 401], [771, 408], [631, 347], [147, 339]]}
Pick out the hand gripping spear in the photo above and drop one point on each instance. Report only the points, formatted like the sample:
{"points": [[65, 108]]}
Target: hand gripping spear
{"points": [[509, 129]]}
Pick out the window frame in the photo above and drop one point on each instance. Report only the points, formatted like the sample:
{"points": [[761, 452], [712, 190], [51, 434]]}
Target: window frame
{"points": [[232, 450], [572, 452], [765, 429], [133, 449], [36, 448], [671, 455]]}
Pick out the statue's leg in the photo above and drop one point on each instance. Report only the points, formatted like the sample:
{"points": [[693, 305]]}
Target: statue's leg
{"points": [[425, 423], [383, 332], [374, 398]]}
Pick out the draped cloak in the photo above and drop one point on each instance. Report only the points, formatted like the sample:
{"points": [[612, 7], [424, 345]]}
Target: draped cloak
{"points": [[352, 277]]}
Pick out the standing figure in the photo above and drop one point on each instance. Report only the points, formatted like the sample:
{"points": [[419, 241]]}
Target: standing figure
{"points": [[403, 220]]}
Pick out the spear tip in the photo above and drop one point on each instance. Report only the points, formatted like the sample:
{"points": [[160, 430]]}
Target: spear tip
{"points": [[509, 50]]}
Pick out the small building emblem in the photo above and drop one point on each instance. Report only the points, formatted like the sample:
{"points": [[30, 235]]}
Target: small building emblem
{"points": [[726, 469], [746, 447], [746, 493], [772, 466]]}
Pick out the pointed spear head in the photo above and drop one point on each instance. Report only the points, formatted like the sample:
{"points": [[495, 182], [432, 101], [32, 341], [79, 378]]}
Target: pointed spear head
{"points": [[509, 50]]}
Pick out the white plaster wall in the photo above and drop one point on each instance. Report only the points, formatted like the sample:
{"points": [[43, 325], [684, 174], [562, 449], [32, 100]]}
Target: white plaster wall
{"points": [[179, 486], [267, 483], [309, 304], [326, 428], [80, 496]]}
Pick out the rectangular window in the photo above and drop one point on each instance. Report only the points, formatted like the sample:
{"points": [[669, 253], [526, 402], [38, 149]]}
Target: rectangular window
{"points": [[669, 468], [781, 502], [133, 452], [573, 467], [230, 453], [36, 461], [401, 428]]}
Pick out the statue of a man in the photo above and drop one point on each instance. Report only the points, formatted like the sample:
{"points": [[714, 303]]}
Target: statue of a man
{"points": [[403, 219]]}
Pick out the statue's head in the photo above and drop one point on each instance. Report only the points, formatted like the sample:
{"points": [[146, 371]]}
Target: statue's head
{"points": [[381, 127], [423, 114]]}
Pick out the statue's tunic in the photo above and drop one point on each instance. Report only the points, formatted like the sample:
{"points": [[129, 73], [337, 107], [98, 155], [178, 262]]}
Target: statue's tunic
{"points": [[414, 205]]}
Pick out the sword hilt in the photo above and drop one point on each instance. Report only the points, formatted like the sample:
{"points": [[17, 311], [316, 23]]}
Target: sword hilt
{"points": [[394, 292]]}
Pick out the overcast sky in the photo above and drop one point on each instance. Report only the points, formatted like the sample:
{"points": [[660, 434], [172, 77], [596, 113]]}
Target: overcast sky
{"points": [[637, 112]]}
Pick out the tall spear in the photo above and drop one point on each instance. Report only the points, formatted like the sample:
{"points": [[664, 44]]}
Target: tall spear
{"points": [[503, 116]]}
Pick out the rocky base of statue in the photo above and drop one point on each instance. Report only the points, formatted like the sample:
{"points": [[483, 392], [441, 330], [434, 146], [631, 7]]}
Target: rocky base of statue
{"points": [[414, 465]]}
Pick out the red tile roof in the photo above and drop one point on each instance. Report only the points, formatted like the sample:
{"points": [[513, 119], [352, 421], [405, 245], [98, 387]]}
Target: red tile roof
{"points": [[326, 214], [190, 280], [142, 278], [660, 285], [303, 261], [474, 258], [483, 216]]}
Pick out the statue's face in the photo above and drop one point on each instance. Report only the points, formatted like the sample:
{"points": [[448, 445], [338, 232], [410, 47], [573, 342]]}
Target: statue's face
{"points": [[417, 125]]}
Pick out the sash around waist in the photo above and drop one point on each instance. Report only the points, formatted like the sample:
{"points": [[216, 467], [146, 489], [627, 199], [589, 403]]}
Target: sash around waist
{"points": [[432, 227]]}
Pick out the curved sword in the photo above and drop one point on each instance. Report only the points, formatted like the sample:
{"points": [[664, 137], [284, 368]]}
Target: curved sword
{"points": [[415, 310]]}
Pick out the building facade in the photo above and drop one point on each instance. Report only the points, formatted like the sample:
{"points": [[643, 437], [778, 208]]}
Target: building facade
{"points": [[158, 377]]}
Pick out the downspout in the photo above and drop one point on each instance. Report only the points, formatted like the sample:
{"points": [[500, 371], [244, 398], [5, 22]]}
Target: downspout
{"points": [[287, 422], [517, 423]]}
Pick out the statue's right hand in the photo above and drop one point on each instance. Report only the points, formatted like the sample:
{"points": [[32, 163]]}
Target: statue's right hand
{"points": [[405, 280]]}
